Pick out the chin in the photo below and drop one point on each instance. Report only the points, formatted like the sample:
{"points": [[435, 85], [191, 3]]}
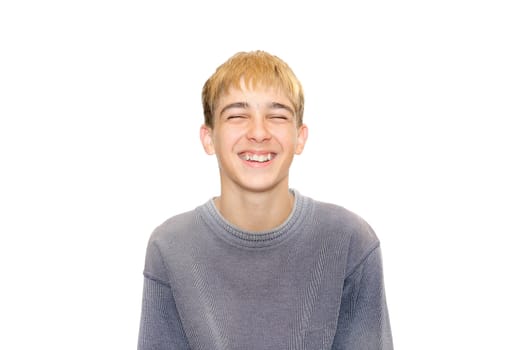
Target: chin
{"points": [[261, 186]]}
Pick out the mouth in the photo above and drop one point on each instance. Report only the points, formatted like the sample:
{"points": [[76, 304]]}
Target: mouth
{"points": [[257, 158]]}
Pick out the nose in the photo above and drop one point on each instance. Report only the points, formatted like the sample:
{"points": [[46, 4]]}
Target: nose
{"points": [[258, 130]]}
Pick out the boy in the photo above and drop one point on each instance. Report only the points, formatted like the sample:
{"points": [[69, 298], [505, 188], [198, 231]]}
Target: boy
{"points": [[261, 266]]}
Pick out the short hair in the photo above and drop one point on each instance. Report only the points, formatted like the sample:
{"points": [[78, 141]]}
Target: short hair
{"points": [[256, 68]]}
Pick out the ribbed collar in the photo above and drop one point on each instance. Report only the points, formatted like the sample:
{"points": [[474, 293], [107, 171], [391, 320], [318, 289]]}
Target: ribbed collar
{"points": [[234, 235]]}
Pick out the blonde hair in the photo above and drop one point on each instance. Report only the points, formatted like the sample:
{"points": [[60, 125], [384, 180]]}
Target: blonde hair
{"points": [[256, 68]]}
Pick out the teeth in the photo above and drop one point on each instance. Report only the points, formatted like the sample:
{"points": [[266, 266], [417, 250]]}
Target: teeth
{"points": [[257, 157]]}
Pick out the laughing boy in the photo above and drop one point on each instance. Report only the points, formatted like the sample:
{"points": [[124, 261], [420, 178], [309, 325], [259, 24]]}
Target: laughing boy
{"points": [[261, 266]]}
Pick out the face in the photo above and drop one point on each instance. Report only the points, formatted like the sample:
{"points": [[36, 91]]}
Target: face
{"points": [[255, 137]]}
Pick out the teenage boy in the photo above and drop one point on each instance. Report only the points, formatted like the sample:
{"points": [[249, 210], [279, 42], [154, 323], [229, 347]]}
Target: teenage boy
{"points": [[261, 266]]}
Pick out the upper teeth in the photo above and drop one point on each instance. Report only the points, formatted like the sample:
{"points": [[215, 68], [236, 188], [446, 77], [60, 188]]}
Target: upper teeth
{"points": [[257, 157]]}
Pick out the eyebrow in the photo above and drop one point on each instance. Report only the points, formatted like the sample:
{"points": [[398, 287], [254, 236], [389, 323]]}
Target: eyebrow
{"points": [[271, 105]]}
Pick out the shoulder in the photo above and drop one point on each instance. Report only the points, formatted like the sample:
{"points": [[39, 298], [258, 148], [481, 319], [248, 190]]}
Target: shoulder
{"points": [[340, 219], [358, 236], [164, 241], [173, 227]]}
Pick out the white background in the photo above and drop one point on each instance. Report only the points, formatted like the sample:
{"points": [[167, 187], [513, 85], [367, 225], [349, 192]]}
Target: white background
{"points": [[415, 111]]}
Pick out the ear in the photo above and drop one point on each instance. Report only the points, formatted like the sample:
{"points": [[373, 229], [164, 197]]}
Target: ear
{"points": [[206, 139], [302, 136]]}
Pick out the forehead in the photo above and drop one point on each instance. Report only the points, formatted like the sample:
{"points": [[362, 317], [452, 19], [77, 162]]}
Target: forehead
{"points": [[253, 95]]}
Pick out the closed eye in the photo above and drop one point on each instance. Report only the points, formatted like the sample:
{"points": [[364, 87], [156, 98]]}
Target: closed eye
{"points": [[235, 117], [278, 116]]}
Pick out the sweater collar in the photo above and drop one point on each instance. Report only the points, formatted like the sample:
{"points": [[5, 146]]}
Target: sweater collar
{"points": [[234, 235]]}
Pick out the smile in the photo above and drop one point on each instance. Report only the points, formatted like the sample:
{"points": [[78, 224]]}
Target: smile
{"points": [[259, 158]]}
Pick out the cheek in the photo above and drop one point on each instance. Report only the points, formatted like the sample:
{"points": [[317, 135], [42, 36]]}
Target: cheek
{"points": [[287, 138], [227, 139]]}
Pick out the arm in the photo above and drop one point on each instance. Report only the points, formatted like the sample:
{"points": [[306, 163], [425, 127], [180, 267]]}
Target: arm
{"points": [[160, 325], [363, 317]]}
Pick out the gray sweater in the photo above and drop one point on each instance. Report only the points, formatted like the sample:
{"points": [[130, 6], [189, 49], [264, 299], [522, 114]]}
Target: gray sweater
{"points": [[315, 282]]}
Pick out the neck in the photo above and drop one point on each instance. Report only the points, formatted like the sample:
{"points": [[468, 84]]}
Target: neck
{"points": [[254, 211]]}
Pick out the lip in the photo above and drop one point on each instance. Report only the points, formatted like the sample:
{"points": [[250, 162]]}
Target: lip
{"points": [[255, 164]]}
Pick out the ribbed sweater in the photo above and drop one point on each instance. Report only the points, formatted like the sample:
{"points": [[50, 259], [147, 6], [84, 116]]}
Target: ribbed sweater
{"points": [[315, 282]]}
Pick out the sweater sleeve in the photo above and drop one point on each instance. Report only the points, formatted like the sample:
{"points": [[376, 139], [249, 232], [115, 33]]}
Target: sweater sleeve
{"points": [[363, 317], [160, 325]]}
